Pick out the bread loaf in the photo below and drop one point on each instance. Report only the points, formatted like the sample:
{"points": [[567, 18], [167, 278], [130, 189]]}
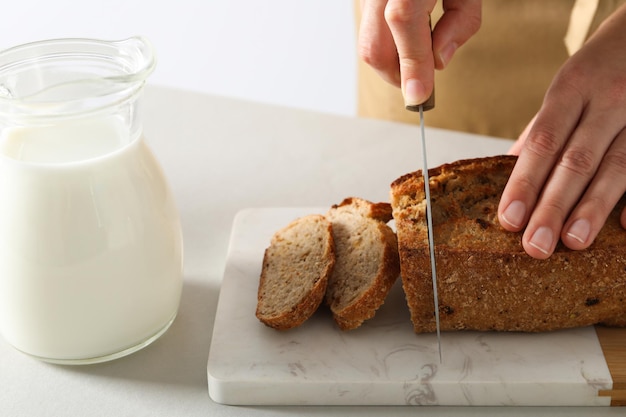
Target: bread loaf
{"points": [[367, 263], [485, 279], [295, 272]]}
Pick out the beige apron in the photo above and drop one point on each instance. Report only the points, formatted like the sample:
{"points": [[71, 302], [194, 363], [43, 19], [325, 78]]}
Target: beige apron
{"points": [[496, 82]]}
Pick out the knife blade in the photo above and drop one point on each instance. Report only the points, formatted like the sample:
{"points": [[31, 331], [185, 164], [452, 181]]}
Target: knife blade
{"points": [[421, 108]]}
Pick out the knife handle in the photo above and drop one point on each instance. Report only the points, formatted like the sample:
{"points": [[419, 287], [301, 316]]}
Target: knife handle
{"points": [[427, 105]]}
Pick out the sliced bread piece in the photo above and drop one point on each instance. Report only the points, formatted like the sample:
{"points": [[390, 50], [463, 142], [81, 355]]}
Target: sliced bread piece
{"points": [[367, 262], [295, 272]]}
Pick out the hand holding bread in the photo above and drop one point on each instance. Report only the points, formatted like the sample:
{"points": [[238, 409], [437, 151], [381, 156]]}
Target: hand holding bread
{"points": [[486, 281]]}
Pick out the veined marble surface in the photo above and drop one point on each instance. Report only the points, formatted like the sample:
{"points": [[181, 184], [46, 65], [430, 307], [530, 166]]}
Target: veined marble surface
{"points": [[383, 362]]}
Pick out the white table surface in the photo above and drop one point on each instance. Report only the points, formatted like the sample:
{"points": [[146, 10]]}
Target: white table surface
{"points": [[220, 156]]}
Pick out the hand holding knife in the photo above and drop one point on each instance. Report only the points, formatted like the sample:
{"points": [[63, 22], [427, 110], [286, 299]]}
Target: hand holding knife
{"points": [[400, 55]]}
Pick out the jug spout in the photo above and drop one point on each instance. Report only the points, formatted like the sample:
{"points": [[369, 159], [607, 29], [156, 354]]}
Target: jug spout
{"points": [[138, 54], [69, 76]]}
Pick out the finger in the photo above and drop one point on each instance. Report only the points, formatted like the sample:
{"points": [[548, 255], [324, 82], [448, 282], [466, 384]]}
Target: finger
{"points": [[409, 22], [539, 153], [376, 46], [516, 148], [461, 20], [603, 193], [575, 168]]}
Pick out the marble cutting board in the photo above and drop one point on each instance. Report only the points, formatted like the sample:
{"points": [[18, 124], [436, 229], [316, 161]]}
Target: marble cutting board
{"points": [[383, 362]]}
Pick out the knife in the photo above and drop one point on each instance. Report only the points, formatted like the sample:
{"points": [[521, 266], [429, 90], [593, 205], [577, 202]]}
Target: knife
{"points": [[421, 108]]}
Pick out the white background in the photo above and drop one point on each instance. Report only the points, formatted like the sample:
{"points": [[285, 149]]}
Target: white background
{"points": [[298, 53]]}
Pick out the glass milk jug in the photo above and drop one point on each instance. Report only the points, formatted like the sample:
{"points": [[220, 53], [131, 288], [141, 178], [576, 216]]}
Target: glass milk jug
{"points": [[90, 238]]}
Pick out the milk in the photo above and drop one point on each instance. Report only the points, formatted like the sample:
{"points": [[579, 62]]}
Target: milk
{"points": [[70, 141], [90, 242]]}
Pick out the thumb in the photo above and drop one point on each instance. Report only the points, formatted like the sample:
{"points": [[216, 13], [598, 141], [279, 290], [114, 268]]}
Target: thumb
{"points": [[409, 23]]}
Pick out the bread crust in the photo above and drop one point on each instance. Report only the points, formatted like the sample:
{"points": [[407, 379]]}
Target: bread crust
{"points": [[485, 279]]}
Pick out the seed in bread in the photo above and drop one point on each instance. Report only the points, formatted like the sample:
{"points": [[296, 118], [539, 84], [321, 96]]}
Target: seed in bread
{"points": [[367, 261], [485, 279], [295, 272]]}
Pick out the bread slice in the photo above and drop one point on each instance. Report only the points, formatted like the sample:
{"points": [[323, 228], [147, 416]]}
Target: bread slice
{"points": [[485, 279], [295, 272], [367, 260]]}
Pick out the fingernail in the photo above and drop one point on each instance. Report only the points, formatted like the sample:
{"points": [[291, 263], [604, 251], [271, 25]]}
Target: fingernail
{"points": [[514, 214], [580, 230], [446, 53], [542, 239], [414, 92]]}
